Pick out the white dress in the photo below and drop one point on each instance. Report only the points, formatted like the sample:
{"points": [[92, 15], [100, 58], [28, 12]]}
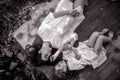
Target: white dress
{"points": [[88, 57], [60, 30]]}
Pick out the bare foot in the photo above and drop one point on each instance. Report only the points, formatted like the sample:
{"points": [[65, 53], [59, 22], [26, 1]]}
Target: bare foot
{"points": [[105, 30], [110, 34]]}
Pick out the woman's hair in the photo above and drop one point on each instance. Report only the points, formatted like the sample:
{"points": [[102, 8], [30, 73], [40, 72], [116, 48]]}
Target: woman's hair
{"points": [[32, 53]]}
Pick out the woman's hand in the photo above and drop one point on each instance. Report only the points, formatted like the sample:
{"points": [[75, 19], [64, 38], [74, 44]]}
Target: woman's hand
{"points": [[74, 13], [52, 9]]}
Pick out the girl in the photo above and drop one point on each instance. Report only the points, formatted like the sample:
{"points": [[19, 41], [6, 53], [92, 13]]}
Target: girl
{"points": [[90, 52]]}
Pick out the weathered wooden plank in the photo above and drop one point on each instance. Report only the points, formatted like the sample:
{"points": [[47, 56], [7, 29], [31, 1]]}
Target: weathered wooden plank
{"points": [[99, 14], [115, 75], [108, 70]]}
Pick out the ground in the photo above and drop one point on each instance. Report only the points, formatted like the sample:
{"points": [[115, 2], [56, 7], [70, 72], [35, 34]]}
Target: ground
{"points": [[99, 14]]}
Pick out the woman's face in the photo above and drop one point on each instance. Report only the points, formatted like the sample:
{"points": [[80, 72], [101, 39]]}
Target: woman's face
{"points": [[46, 51], [61, 68]]}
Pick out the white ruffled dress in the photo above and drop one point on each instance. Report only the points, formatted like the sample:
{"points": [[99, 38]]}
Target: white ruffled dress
{"points": [[88, 57], [60, 30]]}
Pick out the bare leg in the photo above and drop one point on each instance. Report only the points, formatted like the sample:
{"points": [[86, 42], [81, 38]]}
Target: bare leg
{"points": [[92, 39], [99, 43], [79, 3], [94, 36]]}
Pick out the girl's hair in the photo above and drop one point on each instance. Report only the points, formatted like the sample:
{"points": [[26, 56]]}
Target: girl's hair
{"points": [[60, 75]]}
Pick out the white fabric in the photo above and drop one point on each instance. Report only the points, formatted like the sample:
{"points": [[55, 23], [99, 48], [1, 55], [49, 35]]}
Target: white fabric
{"points": [[56, 30], [88, 57]]}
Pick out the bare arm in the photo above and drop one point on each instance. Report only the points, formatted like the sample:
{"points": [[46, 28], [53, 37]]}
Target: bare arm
{"points": [[61, 13], [53, 57], [73, 13], [74, 39], [58, 14], [77, 55], [51, 6], [68, 47]]}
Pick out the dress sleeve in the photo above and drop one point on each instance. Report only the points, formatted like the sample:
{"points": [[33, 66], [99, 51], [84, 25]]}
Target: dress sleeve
{"points": [[100, 59]]}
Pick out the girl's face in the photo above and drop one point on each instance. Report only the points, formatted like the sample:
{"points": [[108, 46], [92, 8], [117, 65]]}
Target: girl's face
{"points": [[74, 38], [61, 68], [46, 51]]}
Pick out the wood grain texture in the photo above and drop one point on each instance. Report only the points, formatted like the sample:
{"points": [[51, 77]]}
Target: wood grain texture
{"points": [[99, 14]]}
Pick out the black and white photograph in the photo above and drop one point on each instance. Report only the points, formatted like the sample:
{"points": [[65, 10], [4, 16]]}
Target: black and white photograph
{"points": [[59, 39]]}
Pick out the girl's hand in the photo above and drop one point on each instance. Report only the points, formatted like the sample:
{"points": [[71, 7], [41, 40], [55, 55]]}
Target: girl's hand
{"points": [[53, 58], [67, 46]]}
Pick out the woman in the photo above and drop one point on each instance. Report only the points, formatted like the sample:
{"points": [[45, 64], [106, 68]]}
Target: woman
{"points": [[90, 52], [58, 27]]}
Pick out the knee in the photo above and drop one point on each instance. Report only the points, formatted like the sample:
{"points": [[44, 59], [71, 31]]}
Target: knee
{"points": [[101, 37], [96, 33]]}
